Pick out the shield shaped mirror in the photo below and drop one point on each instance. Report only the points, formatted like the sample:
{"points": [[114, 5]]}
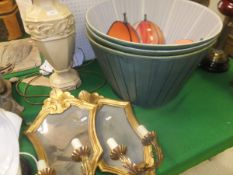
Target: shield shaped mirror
{"points": [[117, 131], [63, 131]]}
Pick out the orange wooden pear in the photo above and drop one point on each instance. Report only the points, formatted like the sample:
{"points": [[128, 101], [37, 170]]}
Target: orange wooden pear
{"points": [[184, 41], [123, 30]]}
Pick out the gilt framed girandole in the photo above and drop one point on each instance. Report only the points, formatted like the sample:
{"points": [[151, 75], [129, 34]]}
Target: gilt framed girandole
{"points": [[115, 122], [64, 122]]}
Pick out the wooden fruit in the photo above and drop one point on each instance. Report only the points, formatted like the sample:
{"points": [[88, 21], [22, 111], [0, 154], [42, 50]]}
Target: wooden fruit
{"points": [[184, 41], [123, 30], [149, 32]]}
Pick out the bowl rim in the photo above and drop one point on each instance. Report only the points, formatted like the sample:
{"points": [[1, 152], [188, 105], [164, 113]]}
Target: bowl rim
{"points": [[142, 45], [137, 56], [129, 49]]}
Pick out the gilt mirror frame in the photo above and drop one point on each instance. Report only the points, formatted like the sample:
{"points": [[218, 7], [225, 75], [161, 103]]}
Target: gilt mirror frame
{"points": [[58, 103], [95, 98]]}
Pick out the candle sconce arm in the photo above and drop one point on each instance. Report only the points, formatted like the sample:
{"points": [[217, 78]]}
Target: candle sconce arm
{"points": [[119, 153], [47, 171], [150, 139], [82, 155]]}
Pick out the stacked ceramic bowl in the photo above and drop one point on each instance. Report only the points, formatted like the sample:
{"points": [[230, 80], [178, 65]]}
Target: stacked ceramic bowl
{"points": [[151, 74]]}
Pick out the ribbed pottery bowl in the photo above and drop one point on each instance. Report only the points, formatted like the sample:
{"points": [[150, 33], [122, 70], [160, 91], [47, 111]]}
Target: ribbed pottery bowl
{"points": [[178, 19], [148, 81], [146, 52]]}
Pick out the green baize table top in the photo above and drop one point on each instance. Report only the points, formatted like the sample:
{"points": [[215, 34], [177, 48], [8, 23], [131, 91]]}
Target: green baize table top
{"points": [[193, 127]]}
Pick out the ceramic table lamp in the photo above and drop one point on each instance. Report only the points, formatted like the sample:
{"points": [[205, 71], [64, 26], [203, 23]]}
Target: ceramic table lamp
{"points": [[51, 25]]}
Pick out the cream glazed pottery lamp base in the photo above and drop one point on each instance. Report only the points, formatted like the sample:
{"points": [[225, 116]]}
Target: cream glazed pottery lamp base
{"points": [[59, 54], [65, 80], [51, 25]]}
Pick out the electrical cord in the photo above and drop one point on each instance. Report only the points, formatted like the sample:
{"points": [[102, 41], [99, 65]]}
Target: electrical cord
{"points": [[29, 155], [92, 72], [37, 96], [86, 64], [26, 97]]}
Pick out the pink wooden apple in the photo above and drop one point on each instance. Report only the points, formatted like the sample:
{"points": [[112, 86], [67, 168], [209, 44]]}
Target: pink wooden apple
{"points": [[149, 32]]}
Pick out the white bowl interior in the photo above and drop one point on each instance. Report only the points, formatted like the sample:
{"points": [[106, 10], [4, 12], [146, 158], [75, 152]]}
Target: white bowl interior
{"points": [[178, 19], [154, 52]]}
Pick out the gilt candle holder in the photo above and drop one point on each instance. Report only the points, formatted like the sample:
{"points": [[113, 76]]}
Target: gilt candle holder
{"points": [[118, 152], [43, 169], [149, 138], [81, 154]]}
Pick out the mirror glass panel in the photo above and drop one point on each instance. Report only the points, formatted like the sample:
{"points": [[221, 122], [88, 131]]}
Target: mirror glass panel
{"points": [[55, 135], [112, 122]]}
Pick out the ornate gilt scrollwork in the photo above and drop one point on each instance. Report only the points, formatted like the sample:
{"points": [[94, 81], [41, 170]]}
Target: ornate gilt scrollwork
{"points": [[58, 102], [92, 98]]}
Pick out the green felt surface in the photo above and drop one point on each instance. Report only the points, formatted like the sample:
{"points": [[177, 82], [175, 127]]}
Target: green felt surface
{"points": [[193, 127]]}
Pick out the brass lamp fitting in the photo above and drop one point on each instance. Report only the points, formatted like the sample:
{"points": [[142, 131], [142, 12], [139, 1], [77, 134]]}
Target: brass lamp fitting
{"points": [[149, 138], [43, 169], [47, 171], [81, 154], [118, 152]]}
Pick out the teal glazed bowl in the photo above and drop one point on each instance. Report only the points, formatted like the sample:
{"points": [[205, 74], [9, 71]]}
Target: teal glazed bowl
{"points": [[128, 49], [148, 81]]}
